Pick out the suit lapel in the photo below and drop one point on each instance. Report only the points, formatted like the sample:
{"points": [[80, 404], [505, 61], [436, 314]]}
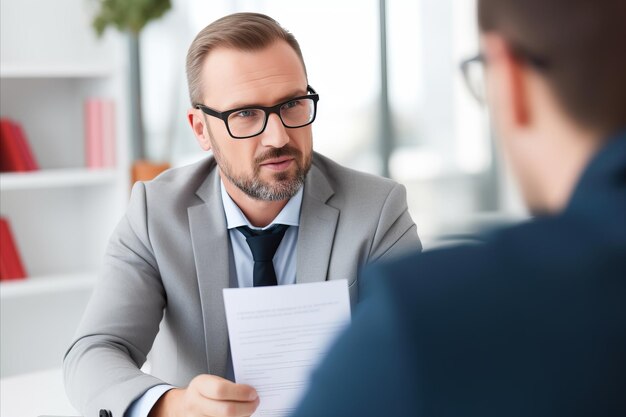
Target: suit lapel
{"points": [[210, 241], [318, 222], [211, 247]]}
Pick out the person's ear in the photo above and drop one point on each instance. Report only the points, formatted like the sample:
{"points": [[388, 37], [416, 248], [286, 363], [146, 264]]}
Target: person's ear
{"points": [[197, 125], [506, 81]]}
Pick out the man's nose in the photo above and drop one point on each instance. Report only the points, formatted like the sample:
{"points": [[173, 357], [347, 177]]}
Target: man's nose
{"points": [[275, 134]]}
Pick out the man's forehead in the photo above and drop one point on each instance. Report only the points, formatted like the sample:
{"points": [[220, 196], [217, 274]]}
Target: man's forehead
{"points": [[233, 77]]}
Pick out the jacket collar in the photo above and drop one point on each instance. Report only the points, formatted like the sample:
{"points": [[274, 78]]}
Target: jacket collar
{"points": [[603, 178], [212, 254], [318, 221]]}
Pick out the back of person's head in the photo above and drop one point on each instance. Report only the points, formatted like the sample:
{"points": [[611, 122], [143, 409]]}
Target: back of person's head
{"points": [[579, 46], [241, 31]]}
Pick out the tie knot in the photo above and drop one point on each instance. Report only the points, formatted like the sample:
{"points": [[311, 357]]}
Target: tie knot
{"points": [[263, 243]]}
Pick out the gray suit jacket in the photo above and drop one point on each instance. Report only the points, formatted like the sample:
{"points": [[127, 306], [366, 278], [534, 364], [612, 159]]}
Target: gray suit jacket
{"points": [[170, 257]]}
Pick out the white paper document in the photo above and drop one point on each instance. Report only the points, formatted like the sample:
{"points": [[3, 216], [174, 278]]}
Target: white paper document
{"points": [[279, 334]]}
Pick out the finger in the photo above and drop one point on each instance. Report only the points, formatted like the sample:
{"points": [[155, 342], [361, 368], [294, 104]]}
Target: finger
{"points": [[230, 408], [214, 387]]}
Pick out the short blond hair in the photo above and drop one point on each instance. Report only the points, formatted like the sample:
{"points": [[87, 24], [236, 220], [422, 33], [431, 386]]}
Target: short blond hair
{"points": [[242, 31]]}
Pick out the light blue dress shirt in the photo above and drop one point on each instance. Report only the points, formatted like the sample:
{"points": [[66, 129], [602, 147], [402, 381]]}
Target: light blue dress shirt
{"points": [[285, 257], [284, 265]]}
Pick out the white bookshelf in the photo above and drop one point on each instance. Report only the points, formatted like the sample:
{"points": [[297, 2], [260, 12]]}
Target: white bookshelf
{"points": [[47, 285], [54, 71], [58, 178], [62, 215]]}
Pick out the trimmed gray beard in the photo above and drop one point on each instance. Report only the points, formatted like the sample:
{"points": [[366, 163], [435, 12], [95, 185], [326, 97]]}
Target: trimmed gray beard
{"points": [[256, 188], [283, 189]]}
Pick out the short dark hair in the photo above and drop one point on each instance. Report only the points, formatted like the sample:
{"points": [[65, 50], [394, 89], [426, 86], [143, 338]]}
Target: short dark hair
{"points": [[241, 31], [583, 46]]}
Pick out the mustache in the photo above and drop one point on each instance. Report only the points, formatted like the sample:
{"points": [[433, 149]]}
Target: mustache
{"points": [[277, 153]]}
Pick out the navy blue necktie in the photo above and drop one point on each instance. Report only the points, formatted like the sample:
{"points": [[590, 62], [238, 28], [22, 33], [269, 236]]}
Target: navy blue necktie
{"points": [[263, 244]]}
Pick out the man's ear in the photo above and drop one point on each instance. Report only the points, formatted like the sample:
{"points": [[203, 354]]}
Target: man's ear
{"points": [[507, 81], [197, 125]]}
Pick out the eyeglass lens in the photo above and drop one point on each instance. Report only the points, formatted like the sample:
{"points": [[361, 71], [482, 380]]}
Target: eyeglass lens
{"points": [[475, 78], [252, 121]]}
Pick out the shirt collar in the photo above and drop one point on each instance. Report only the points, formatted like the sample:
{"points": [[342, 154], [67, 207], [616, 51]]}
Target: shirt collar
{"points": [[289, 215]]}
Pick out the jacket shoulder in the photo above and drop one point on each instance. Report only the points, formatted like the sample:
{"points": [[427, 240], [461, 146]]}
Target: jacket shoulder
{"points": [[182, 178], [551, 256]]}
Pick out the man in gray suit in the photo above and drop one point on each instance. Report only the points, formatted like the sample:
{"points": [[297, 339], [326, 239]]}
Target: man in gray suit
{"points": [[188, 234]]}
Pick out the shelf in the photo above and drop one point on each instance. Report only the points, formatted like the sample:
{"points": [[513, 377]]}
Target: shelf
{"points": [[56, 178], [61, 283], [53, 71]]}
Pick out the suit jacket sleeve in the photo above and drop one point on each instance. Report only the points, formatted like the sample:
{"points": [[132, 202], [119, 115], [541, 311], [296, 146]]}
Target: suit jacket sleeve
{"points": [[396, 233], [102, 366]]}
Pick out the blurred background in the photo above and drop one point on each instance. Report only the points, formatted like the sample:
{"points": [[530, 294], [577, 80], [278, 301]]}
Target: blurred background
{"points": [[392, 102]]}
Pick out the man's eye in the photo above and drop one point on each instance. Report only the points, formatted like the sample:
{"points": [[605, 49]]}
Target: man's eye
{"points": [[291, 104], [245, 113]]}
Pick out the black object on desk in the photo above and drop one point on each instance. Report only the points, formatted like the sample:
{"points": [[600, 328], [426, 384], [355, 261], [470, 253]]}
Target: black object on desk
{"points": [[105, 413]]}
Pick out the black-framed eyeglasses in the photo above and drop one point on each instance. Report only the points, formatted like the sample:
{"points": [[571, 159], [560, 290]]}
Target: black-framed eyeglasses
{"points": [[250, 121], [473, 70]]}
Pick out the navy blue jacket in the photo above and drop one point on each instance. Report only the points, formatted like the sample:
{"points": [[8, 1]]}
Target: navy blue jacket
{"points": [[530, 323]]}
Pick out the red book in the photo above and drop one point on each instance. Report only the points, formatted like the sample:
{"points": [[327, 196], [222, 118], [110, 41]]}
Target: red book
{"points": [[5, 160], [4, 269], [99, 133], [10, 150], [93, 134], [11, 264], [25, 150], [108, 132]]}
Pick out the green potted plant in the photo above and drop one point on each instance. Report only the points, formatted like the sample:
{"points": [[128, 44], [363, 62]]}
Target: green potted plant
{"points": [[130, 17]]}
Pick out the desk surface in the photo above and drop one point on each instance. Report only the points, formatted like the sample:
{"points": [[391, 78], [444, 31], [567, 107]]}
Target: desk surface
{"points": [[35, 394]]}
